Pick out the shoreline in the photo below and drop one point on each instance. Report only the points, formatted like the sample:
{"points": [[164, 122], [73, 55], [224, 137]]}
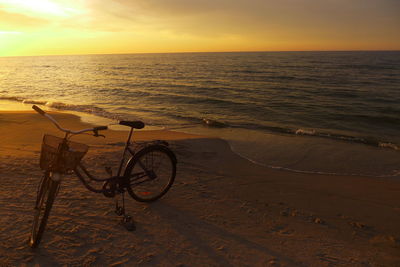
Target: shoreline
{"points": [[119, 132], [296, 153], [219, 206]]}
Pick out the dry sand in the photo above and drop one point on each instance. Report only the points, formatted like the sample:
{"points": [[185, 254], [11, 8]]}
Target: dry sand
{"points": [[221, 211]]}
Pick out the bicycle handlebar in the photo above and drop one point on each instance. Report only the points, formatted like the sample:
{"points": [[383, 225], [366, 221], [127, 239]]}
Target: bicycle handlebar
{"points": [[95, 129], [38, 110]]}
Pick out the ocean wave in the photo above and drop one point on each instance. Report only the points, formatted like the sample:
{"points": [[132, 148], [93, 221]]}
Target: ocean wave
{"points": [[371, 141], [214, 123], [369, 67], [89, 109], [390, 145], [36, 102], [366, 140], [12, 98], [305, 132]]}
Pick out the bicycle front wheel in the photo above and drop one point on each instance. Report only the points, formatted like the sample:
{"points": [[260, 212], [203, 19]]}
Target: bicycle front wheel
{"points": [[151, 173], [46, 194]]}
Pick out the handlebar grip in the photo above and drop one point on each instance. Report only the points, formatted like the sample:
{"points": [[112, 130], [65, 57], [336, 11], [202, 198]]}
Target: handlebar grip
{"points": [[99, 128], [38, 110]]}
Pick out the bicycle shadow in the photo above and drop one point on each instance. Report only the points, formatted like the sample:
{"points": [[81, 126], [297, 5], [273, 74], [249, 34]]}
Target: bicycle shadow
{"points": [[190, 227]]}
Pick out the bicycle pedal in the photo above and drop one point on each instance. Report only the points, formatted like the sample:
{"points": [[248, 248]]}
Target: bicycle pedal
{"points": [[119, 211], [109, 189], [128, 223]]}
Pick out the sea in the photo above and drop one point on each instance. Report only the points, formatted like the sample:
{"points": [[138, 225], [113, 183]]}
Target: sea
{"points": [[312, 112]]}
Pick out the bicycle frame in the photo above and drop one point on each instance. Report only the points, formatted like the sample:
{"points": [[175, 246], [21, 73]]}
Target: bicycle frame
{"points": [[117, 177]]}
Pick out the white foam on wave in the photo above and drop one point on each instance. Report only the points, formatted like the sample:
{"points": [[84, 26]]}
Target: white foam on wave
{"points": [[90, 109], [35, 102], [389, 145], [84, 109], [12, 98], [305, 132]]}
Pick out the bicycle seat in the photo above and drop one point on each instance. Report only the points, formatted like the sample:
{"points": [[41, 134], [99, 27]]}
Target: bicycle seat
{"points": [[133, 124]]}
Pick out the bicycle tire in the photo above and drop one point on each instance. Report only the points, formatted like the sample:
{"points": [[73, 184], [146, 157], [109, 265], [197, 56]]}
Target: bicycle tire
{"points": [[48, 189], [150, 173]]}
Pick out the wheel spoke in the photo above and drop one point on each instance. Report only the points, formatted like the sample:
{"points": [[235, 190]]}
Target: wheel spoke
{"points": [[46, 194], [152, 173], [136, 183]]}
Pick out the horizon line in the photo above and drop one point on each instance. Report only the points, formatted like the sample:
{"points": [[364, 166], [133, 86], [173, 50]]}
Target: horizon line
{"points": [[201, 52]]}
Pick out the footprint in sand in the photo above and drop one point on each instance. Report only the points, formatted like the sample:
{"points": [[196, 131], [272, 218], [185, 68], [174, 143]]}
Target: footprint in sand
{"points": [[330, 259], [281, 230]]}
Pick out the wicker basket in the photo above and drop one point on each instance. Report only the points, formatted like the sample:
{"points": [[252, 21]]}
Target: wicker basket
{"points": [[69, 158]]}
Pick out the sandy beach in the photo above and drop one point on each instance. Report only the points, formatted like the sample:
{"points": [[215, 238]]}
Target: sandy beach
{"points": [[222, 210]]}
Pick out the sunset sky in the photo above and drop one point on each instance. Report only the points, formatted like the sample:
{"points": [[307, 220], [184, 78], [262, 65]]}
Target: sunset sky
{"points": [[48, 27]]}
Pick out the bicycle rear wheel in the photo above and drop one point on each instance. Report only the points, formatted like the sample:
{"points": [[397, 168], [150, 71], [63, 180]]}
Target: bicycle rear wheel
{"points": [[46, 194], [151, 173]]}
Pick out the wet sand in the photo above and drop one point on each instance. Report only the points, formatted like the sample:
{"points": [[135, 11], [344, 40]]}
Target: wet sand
{"points": [[222, 210]]}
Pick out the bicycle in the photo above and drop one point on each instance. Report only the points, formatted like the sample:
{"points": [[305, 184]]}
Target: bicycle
{"points": [[146, 175]]}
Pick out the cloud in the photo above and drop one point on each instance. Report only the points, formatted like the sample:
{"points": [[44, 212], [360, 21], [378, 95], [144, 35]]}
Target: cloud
{"points": [[201, 25], [15, 21], [240, 17]]}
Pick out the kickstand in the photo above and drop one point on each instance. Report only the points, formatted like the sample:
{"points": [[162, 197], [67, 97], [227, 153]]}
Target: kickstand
{"points": [[127, 220]]}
